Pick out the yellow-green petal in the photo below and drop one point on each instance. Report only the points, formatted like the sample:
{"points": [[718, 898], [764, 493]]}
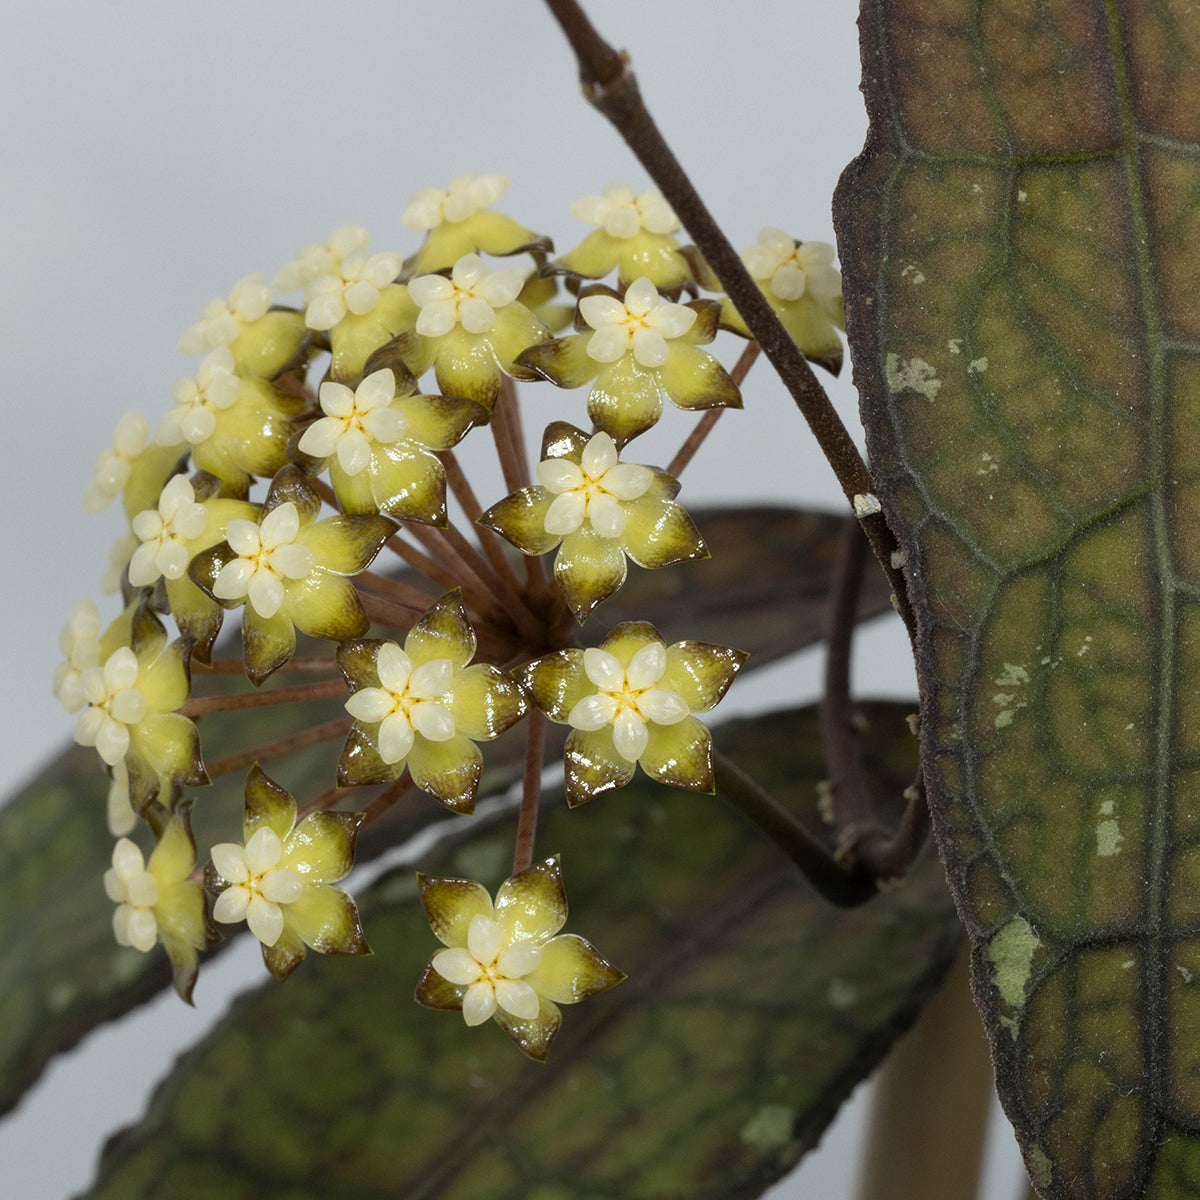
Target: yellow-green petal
{"points": [[196, 613], [564, 361], [701, 672], [321, 847], [466, 366], [813, 330], [659, 532], [484, 702], [588, 568], [440, 422], [593, 765], [360, 762], [625, 400], [450, 904], [556, 682], [264, 347], [693, 379], [267, 643], [148, 475], [625, 640], [449, 771], [531, 905], [572, 969], [516, 330], [267, 803], [680, 755], [174, 858], [324, 606], [442, 632], [291, 485], [163, 679], [533, 1037], [594, 257], [435, 992], [356, 337], [521, 519], [326, 919], [285, 955], [170, 745], [403, 481], [345, 544]]}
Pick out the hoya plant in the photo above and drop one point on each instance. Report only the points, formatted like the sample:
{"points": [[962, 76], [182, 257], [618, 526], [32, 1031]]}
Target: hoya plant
{"points": [[446, 745]]}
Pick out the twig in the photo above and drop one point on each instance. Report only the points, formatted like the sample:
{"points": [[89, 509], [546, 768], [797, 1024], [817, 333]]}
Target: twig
{"points": [[198, 705], [281, 746], [610, 86], [489, 539], [862, 838], [531, 793], [839, 885]]}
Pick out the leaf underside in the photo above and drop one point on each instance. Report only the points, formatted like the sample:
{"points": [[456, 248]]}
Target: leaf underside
{"points": [[1020, 241], [751, 1010], [61, 973]]}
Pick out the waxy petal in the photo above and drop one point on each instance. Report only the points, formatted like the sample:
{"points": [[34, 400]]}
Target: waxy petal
{"points": [[701, 672], [625, 400], [693, 379], [659, 532], [557, 682], [456, 966], [326, 918], [484, 702], [589, 568], [449, 770], [321, 847], [572, 969], [531, 906], [680, 755], [517, 999], [450, 904], [442, 632], [593, 765], [521, 519], [532, 1037]]}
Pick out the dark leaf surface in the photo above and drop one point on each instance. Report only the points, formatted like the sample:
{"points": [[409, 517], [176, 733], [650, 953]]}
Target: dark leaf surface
{"points": [[1020, 247], [61, 973], [751, 1010]]}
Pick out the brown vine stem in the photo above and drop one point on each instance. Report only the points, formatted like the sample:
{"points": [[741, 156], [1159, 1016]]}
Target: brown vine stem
{"points": [[839, 885], [611, 87], [704, 426], [198, 705], [862, 838], [281, 746], [531, 793]]}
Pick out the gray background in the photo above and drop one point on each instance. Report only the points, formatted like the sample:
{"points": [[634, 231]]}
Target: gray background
{"points": [[155, 153]]}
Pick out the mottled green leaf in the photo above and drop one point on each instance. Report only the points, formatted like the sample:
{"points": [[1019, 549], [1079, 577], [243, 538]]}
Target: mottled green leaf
{"points": [[751, 1010], [61, 973], [1020, 243]]}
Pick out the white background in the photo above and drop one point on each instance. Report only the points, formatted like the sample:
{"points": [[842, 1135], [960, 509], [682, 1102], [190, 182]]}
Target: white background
{"points": [[155, 153]]}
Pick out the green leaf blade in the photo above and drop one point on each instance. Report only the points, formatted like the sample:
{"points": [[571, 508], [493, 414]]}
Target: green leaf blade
{"points": [[751, 1010], [1020, 254]]}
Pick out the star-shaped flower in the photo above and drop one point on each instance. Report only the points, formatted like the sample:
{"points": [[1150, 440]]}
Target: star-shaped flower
{"points": [[158, 902], [457, 222], [631, 702], [314, 260], [164, 533], [470, 328], [261, 340], [80, 646], [236, 428], [642, 347], [507, 961], [635, 234], [599, 510], [361, 307], [280, 880], [131, 714], [423, 707], [379, 445], [804, 288], [289, 570]]}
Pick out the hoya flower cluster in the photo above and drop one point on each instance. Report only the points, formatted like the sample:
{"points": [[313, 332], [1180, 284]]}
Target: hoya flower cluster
{"points": [[288, 520]]}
